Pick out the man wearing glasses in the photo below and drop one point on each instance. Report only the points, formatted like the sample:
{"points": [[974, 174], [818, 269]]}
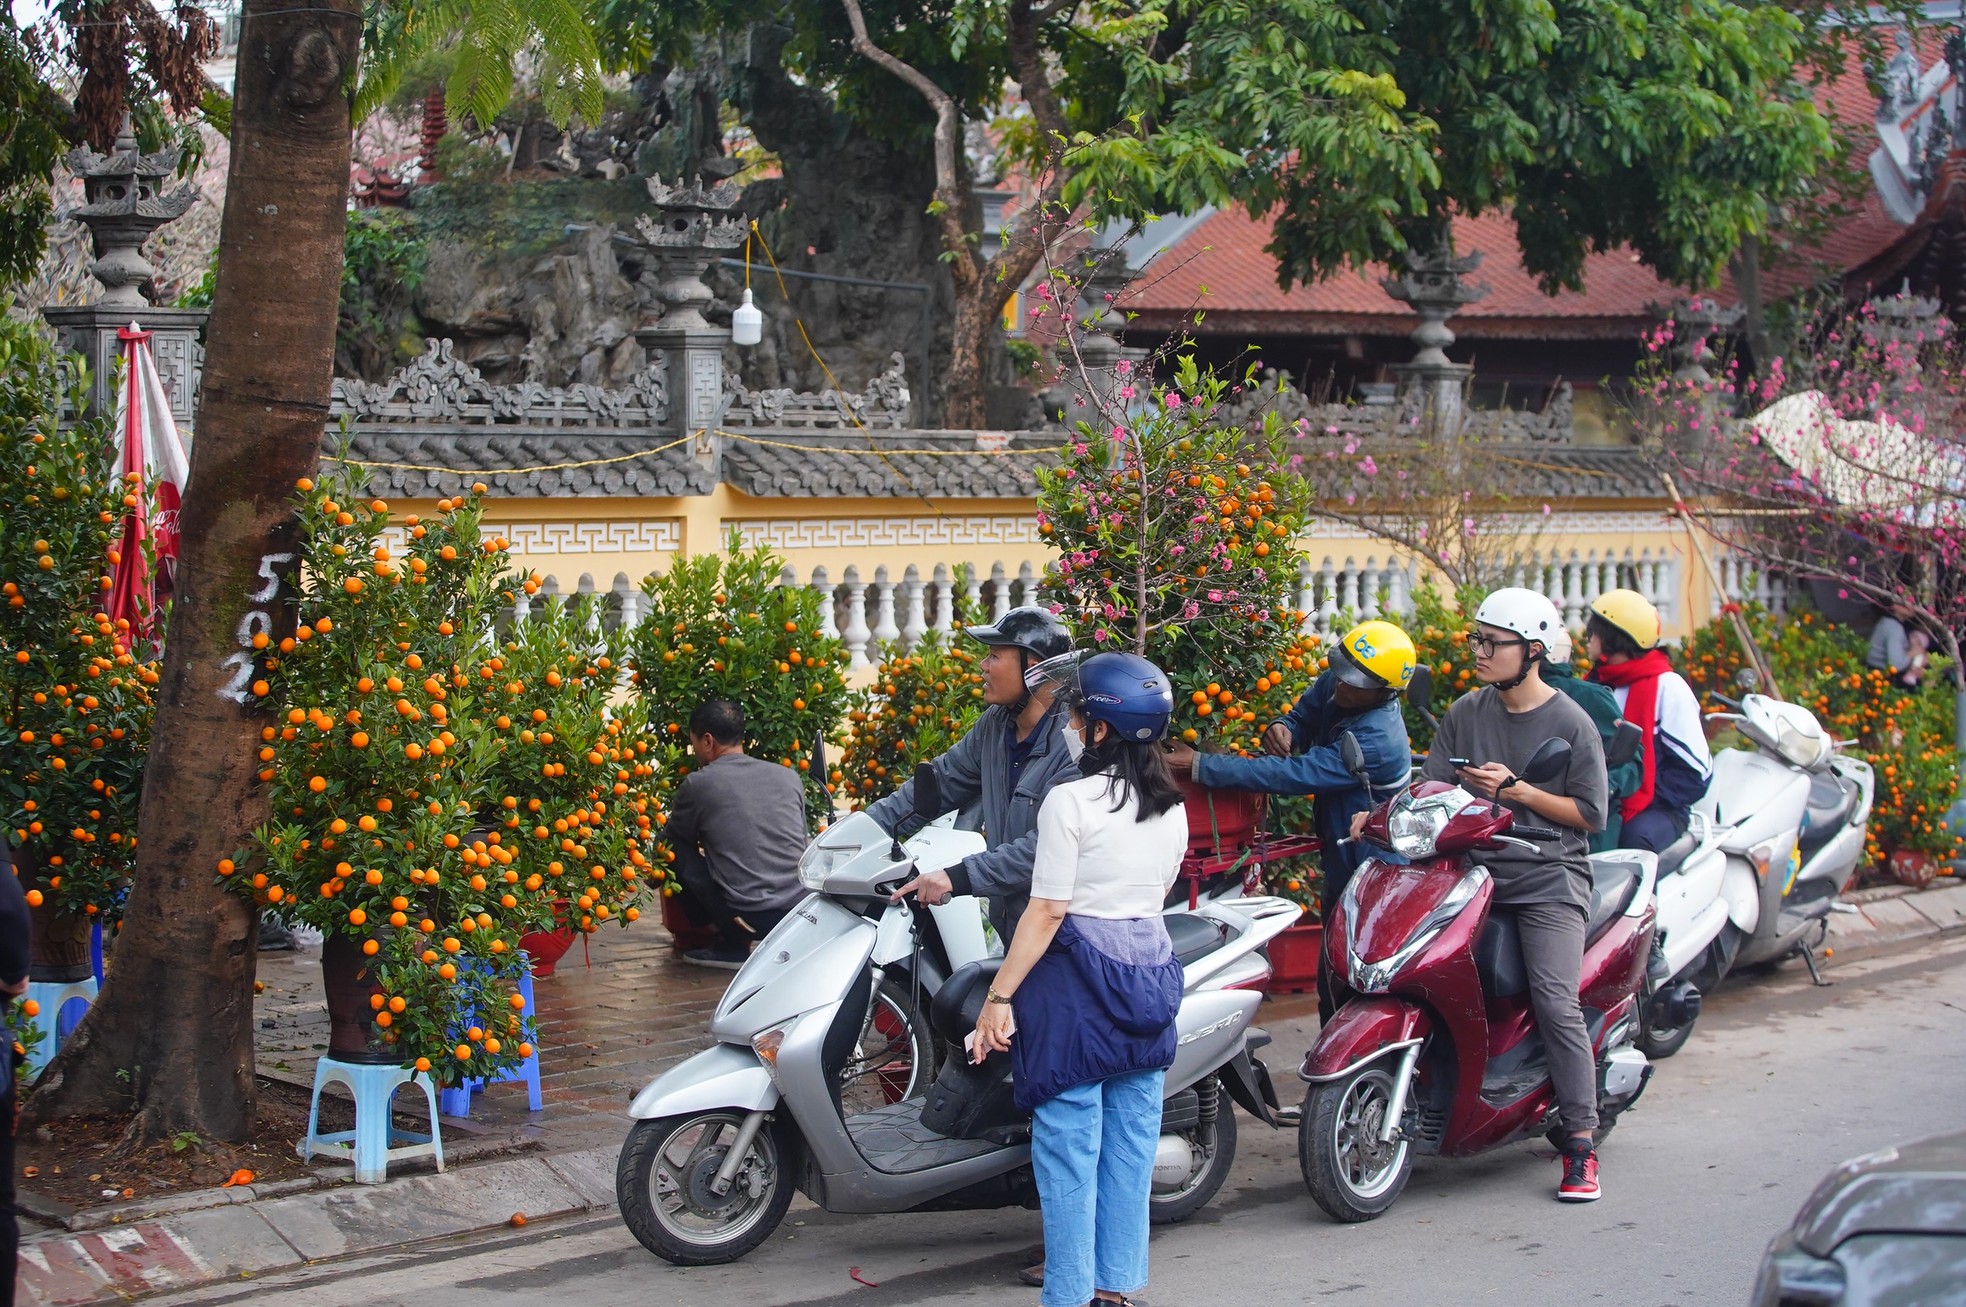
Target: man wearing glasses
{"points": [[1484, 741]]}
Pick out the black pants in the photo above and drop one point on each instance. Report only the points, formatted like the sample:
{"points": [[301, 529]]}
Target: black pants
{"points": [[9, 1225], [1329, 892], [1656, 829], [705, 905]]}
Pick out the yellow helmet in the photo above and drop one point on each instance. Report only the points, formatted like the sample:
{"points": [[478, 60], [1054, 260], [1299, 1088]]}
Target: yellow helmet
{"points": [[1375, 656], [1630, 612]]}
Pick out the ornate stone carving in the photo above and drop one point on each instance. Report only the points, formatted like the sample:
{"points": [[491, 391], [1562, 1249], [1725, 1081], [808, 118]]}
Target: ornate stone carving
{"points": [[883, 405], [125, 203], [1694, 320], [1432, 285], [439, 387], [1555, 424]]}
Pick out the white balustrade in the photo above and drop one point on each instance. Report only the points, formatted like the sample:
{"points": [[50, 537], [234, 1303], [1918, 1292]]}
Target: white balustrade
{"points": [[855, 631], [913, 622], [945, 600], [885, 631], [999, 592]]}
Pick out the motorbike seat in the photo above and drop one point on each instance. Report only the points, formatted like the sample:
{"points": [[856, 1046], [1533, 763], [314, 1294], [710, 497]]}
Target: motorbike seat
{"points": [[1613, 882], [1677, 852], [1194, 936], [1831, 801], [953, 1011], [1498, 956]]}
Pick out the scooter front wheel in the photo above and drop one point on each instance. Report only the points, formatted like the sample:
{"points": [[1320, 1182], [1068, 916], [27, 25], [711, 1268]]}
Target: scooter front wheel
{"points": [[666, 1185], [1352, 1173]]}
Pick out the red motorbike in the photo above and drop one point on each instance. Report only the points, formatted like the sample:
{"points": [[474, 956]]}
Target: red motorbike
{"points": [[1434, 1047]]}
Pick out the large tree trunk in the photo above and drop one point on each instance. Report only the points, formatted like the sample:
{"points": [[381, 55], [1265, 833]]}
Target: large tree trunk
{"points": [[171, 1037], [979, 310]]}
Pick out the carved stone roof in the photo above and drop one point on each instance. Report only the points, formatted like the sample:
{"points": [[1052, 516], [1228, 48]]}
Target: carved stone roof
{"points": [[796, 467], [475, 454]]}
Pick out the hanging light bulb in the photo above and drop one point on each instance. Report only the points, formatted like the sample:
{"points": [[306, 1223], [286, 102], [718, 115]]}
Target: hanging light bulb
{"points": [[747, 323]]}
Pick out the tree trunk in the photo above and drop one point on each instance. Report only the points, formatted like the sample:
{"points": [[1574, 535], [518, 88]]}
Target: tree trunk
{"points": [[171, 1037], [979, 309]]}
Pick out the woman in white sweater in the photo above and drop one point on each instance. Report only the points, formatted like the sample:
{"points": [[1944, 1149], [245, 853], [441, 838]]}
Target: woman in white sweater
{"points": [[1087, 996]]}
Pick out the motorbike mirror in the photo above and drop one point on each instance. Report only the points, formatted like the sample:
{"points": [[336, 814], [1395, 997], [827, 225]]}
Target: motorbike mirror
{"points": [[1420, 690], [1551, 760], [1353, 753], [1747, 678], [928, 792], [1625, 745]]}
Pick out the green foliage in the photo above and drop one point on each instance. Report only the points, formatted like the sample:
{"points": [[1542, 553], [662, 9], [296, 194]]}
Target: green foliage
{"points": [[382, 268], [719, 626], [22, 1032], [918, 704], [75, 703], [30, 146], [486, 42], [462, 160], [1907, 737]]}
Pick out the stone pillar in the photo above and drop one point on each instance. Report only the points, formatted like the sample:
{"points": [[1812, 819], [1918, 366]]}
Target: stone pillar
{"points": [[124, 203], [693, 226], [1433, 387], [1694, 321]]}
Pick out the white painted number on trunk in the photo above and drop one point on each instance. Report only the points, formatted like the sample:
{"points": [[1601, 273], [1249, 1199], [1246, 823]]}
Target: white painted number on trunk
{"points": [[256, 622]]}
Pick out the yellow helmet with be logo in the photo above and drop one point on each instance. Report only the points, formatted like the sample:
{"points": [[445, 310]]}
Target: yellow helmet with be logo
{"points": [[1375, 656]]}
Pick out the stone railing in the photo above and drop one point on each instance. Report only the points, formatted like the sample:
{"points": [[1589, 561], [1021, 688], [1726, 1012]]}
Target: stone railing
{"points": [[1744, 580], [440, 389], [1399, 414]]}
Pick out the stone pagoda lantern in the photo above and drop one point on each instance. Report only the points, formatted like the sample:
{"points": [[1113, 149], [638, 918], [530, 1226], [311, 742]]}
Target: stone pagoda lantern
{"points": [[1432, 386], [125, 202], [692, 227]]}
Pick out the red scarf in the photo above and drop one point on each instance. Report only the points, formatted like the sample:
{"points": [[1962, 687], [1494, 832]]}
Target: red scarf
{"points": [[1641, 710]]}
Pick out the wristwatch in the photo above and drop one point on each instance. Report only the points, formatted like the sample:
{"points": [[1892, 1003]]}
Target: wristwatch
{"points": [[995, 997]]}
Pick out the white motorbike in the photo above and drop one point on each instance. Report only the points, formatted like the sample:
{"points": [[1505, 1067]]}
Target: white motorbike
{"points": [[789, 1098]]}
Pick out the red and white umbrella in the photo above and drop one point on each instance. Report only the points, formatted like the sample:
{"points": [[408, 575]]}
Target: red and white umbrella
{"points": [[152, 451]]}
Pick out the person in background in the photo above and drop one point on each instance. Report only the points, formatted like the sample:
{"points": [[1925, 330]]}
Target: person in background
{"points": [[1370, 667], [1897, 648], [1560, 673], [15, 946], [1675, 765], [1493, 732], [738, 825], [1087, 996]]}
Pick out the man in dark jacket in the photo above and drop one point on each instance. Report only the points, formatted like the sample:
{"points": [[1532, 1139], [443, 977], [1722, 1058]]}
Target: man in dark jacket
{"points": [[1358, 693], [14, 952], [999, 772], [1561, 675]]}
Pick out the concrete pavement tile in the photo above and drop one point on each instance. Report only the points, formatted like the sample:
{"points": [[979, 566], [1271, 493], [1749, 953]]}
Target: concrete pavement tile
{"points": [[231, 1241], [56, 1272], [1944, 908], [1881, 922], [361, 1218], [107, 1265], [590, 1172]]}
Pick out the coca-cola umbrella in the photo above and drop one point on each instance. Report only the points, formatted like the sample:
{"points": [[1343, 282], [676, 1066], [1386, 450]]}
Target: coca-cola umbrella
{"points": [[152, 452]]}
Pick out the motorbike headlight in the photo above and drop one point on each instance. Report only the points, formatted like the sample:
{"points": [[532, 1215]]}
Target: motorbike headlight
{"points": [[821, 860], [1414, 825], [1377, 977]]}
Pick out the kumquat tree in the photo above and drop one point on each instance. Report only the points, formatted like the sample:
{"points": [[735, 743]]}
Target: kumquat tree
{"points": [[919, 703], [425, 815], [75, 702], [720, 626]]}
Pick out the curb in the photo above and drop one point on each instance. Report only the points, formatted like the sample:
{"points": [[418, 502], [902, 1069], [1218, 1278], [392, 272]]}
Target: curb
{"points": [[237, 1241], [1893, 914]]}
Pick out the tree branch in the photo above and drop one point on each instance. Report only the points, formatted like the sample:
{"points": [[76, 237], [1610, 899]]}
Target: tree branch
{"points": [[950, 201]]}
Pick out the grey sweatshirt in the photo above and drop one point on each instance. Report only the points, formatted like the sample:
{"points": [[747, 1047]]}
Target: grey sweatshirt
{"points": [[749, 816]]}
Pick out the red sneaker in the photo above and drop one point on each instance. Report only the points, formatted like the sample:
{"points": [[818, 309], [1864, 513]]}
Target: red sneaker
{"points": [[1579, 1173]]}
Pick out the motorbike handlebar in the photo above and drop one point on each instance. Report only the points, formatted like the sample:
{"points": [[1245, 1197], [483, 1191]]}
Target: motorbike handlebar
{"points": [[1523, 830]]}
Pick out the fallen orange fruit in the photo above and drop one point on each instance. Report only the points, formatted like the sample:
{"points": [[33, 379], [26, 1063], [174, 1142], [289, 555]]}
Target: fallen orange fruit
{"points": [[518, 1218], [241, 1176]]}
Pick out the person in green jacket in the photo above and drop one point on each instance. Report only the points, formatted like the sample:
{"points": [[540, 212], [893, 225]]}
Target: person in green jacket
{"points": [[1561, 675]]}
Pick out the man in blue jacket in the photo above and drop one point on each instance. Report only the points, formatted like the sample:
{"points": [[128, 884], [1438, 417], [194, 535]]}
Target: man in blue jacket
{"points": [[1359, 693]]}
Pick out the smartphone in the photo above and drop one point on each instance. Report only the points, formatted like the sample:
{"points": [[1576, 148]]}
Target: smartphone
{"points": [[1462, 762]]}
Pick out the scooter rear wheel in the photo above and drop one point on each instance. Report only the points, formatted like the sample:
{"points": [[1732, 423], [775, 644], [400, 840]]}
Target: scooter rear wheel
{"points": [[1659, 1041], [1351, 1172], [664, 1185]]}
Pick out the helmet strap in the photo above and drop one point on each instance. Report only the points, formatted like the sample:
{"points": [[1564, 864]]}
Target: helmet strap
{"points": [[1529, 661]]}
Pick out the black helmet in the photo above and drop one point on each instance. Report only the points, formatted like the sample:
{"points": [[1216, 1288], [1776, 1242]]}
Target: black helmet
{"points": [[1030, 628]]}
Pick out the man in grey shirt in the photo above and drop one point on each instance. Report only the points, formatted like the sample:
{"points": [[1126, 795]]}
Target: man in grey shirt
{"points": [[1896, 649], [1493, 732], [749, 818]]}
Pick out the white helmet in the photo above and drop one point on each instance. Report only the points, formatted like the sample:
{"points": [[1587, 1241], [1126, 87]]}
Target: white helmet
{"points": [[1530, 615]]}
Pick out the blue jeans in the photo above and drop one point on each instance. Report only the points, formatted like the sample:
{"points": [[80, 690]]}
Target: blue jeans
{"points": [[1093, 1150]]}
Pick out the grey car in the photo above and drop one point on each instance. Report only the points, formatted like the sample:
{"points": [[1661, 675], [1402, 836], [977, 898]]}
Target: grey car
{"points": [[1888, 1228]]}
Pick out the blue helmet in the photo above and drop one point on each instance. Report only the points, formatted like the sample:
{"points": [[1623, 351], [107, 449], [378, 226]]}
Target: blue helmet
{"points": [[1126, 692]]}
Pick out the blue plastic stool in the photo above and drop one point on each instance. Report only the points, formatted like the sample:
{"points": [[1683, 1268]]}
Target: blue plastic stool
{"points": [[95, 949], [457, 1101], [63, 1005], [374, 1142]]}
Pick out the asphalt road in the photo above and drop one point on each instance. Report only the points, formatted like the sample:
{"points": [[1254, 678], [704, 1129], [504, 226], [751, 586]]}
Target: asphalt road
{"points": [[1780, 1082]]}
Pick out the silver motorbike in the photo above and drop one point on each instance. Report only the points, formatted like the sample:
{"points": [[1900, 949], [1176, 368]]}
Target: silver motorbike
{"points": [[786, 1102]]}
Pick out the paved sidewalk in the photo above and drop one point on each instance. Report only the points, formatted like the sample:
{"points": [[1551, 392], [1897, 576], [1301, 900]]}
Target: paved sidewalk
{"points": [[605, 1030]]}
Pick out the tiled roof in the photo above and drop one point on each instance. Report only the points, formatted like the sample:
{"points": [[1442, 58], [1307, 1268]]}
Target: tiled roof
{"points": [[832, 464], [478, 455], [1542, 472]]}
